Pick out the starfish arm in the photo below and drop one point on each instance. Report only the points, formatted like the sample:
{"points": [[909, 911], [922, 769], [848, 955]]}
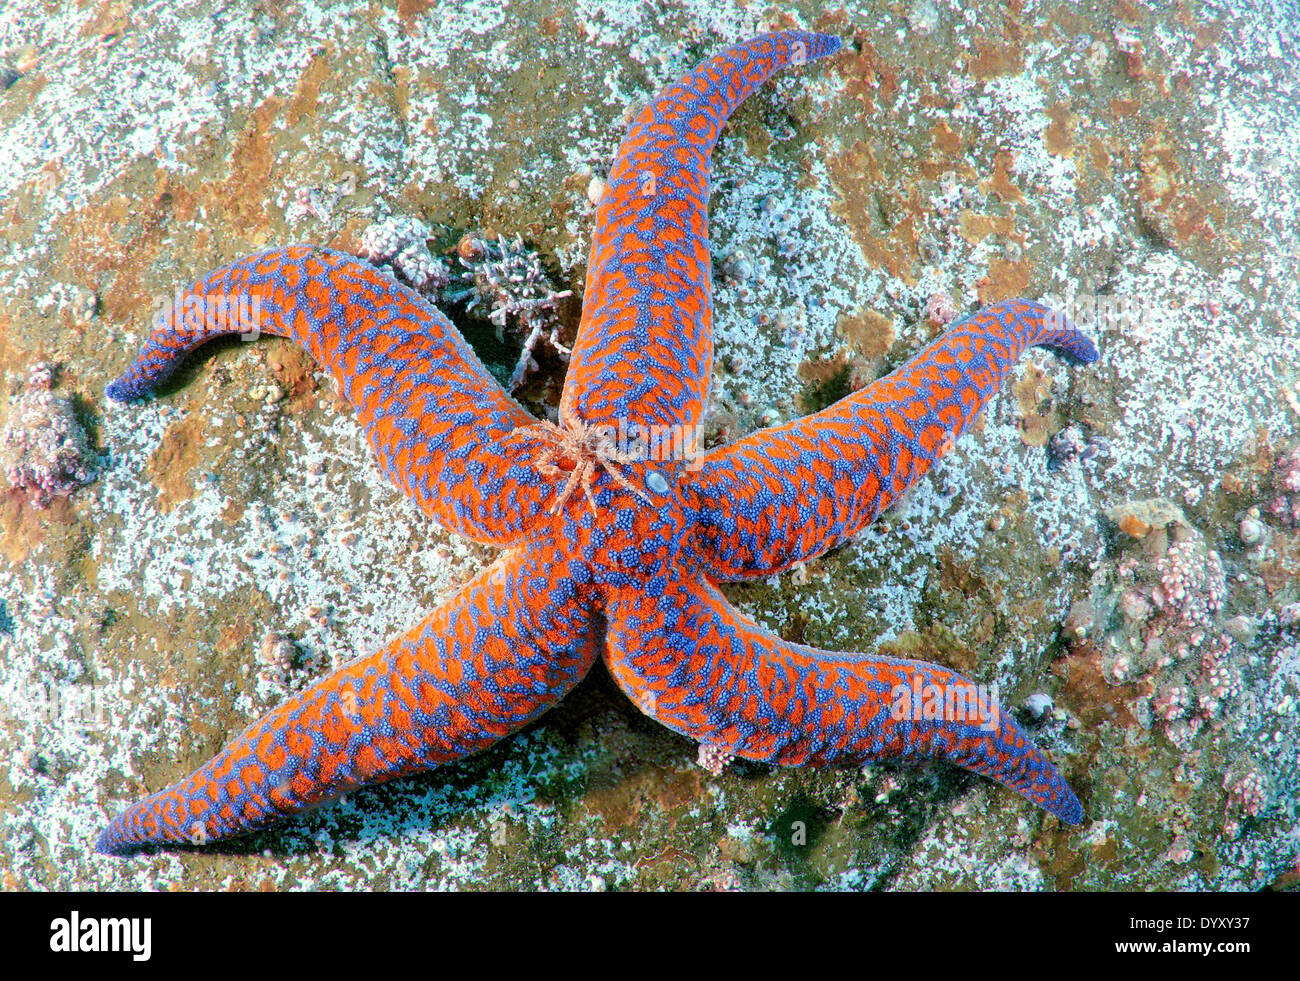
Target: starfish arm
{"points": [[431, 411], [787, 494], [644, 348], [484, 664], [698, 666]]}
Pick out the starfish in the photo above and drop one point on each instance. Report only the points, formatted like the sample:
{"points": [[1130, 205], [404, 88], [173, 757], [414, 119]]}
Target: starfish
{"points": [[657, 525]]}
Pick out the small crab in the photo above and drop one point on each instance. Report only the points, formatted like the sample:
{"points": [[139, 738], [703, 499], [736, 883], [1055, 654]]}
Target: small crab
{"points": [[583, 448]]}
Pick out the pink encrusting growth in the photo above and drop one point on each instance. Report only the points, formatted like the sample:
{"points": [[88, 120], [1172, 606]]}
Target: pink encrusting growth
{"points": [[592, 529], [44, 451]]}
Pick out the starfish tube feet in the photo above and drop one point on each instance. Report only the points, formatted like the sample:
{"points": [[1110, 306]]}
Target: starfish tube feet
{"points": [[787, 494], [479, 667], [431, 411], [695, 664]]}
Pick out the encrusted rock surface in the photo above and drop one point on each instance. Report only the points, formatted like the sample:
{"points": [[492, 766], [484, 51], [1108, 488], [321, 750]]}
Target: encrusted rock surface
{"points": [[1116, 547]]}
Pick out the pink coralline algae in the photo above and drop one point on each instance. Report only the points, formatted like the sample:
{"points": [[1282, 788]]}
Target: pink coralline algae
{"points": [[713, 758], [1072, 443], [1285, 505], [507, 282], [1163, 599], [402, 245], [43, 449], [502, 281], [1170, 619], [1172, 704], [1191, 588], [940, 309], [1248, 793]]}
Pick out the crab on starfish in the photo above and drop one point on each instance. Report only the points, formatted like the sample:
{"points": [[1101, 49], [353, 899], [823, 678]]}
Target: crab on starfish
{"points": [[652, 533]]}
